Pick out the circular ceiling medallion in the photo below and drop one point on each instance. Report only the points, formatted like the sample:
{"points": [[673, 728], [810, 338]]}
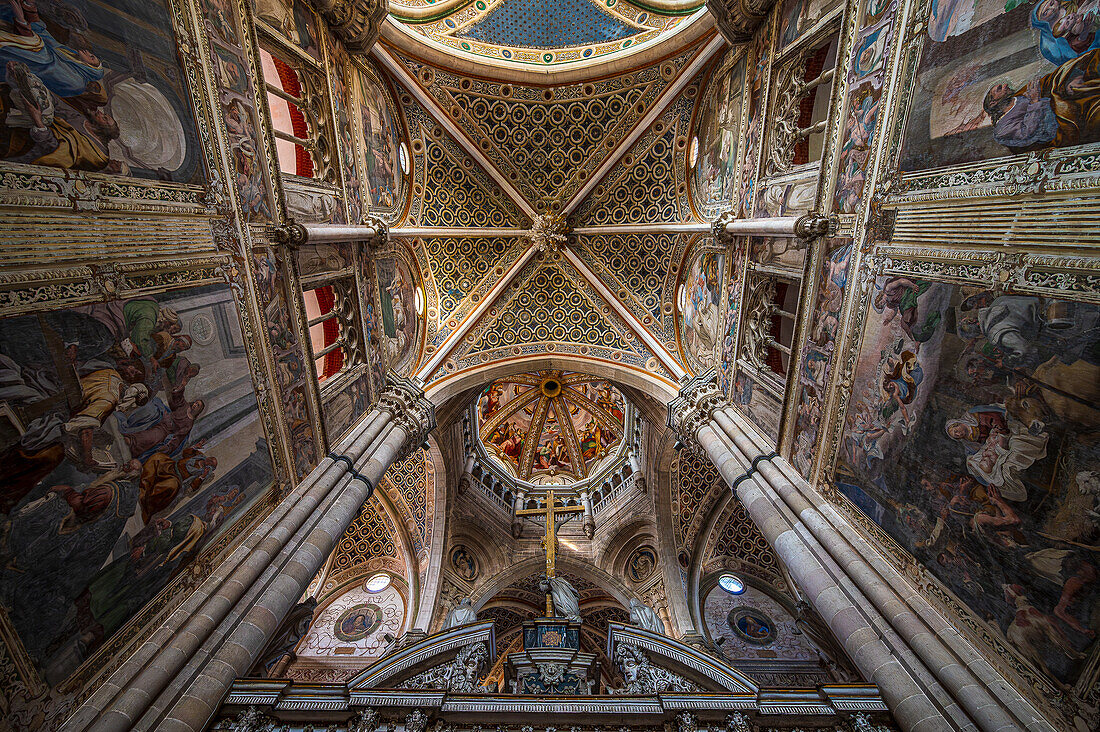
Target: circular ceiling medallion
{"points": [[551, 427]]}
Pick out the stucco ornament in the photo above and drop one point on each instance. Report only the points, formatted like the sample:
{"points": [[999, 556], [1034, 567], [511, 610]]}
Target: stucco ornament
{"points": [[640, 676], [461, 675], [644, 617], [417, 721], [367, 720], [250, 720]]}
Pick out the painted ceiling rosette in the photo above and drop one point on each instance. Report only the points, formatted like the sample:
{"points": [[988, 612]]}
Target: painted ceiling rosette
{"points": [[551, 427], [543, 32]]}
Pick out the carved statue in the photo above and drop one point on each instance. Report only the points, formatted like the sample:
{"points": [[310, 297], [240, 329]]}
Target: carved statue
{"points": [[738, 722], [462, 614], [250, 720], [462, 675], [368, 720], [417, 721], [644, 617], [640, 676], [565, 597]]}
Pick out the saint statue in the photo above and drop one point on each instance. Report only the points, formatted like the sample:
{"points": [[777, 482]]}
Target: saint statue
{"points": [[644, 617], [565, 597], [462, 614]]}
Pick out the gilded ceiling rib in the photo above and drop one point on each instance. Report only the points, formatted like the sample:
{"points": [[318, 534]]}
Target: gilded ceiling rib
{"points": [[441, 117], [663, 101]]}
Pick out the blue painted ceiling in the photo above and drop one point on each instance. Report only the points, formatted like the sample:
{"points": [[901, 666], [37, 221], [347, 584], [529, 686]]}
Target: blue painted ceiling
{"points": [[548, 24]]}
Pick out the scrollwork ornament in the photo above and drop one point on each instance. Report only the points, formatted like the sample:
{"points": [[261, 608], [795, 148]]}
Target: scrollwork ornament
{"points": [[737, 722], [722, 236], [249, 720], [417, 721], [641, 677], [382, 232], [290, 235], [461, 675]]}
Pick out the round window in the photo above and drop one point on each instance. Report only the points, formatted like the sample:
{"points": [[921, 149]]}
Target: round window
{"points": [[377, 582], [731, 584]]}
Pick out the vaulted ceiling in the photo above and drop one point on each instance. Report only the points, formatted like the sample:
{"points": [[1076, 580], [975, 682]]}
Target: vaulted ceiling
{"points": [[520, 187]]}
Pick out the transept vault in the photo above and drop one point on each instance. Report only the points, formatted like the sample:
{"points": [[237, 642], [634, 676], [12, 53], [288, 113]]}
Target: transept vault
{"points": [[656, 365]]}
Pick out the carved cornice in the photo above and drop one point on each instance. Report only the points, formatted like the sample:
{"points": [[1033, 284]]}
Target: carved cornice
{"points": [[692, 408], [356, 23], [738, 19], [411, 410]]}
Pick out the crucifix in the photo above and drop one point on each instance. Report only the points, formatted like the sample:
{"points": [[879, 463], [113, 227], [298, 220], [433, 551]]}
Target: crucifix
{"points": [[550, 540]]}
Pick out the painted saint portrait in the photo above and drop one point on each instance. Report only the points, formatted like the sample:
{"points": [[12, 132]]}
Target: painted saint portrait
{"points": [[752, 625], [699, 302], [464, 563], [95, 88], [130, 439], [642, 564], [397, 288], [1001, 78], [717, 131], [971, 439], [381, 142], [357, 622]]}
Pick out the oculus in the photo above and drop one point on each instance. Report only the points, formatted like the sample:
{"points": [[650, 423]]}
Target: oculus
{"points": [[731, 584]]}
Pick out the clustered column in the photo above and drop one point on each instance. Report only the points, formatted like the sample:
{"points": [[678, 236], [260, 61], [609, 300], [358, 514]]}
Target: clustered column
{"points": [[930, 676], [177, 678]]}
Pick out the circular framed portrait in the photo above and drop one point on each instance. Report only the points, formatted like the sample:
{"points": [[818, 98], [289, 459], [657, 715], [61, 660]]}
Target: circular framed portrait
{"points": [[752, 625], [464, 563], [357, 622]]}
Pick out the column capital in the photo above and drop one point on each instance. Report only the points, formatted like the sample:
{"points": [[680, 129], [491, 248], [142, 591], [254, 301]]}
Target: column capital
{"points": [[291, 234], [381, 238], [411, 410], [719, 228], [693, 406]]}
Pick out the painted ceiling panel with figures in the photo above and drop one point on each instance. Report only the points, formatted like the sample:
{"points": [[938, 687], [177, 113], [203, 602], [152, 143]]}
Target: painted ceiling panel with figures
{"points": [[552, 309], [649, 182], [551, 427], [548, 140], [636, 268], [449, 188], [463, 271]]}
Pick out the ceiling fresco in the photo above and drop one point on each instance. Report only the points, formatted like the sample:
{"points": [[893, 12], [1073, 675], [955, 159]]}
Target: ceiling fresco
{"points": [[548, 140], [551, 427], [649, 182], [449, 188], [552, 308], [555, 33]]}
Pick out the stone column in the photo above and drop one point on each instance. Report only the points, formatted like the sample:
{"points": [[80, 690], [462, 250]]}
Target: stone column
{"points": [[929, 675], [467, 480], [176, 680], [517, 504]]}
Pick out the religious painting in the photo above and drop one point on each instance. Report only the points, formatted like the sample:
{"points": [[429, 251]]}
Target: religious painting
{"points": [[641, 564], [799, 16], [358, 621], [99, 88], [752, 625], [757, 403], [382, 137], [1001, 78], [131, 439], [398, 291], [464, 563], [293, 20], [717, 132], [700, 308], [972, 440], [551, 426]]}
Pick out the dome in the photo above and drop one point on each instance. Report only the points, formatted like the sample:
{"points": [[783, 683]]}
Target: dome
{"points": [[545, 34], [551, 427]]}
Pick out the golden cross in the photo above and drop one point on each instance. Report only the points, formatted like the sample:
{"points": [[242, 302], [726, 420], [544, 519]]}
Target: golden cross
{"points": [[550, 540]]}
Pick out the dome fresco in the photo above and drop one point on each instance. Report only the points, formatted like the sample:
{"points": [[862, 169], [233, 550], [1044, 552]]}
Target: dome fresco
{"points": [[551, 427], [552, 32]]}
